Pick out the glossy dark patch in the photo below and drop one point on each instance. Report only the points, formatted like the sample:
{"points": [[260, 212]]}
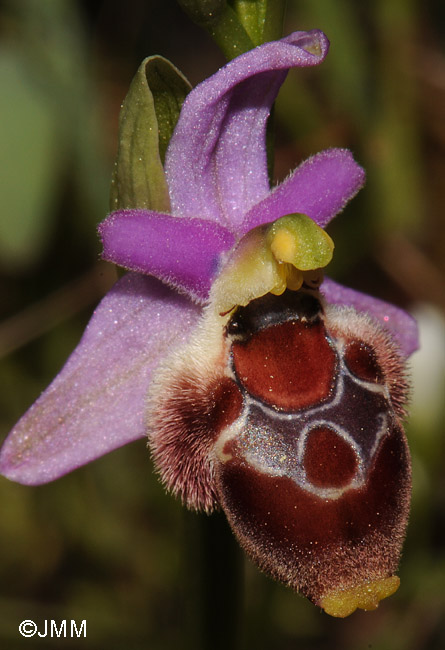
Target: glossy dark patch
{"points": [[328, 460], [276, 444], [289, 366], [361, 360], [273, 310], [209, 411], [188, 419], [322, 544]]}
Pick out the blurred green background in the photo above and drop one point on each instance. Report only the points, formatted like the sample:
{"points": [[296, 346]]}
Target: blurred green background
{"points": [[105, 544]]}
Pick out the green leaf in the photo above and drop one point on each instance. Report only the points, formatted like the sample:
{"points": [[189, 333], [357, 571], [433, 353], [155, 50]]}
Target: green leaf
{"points": [[148, 116], [30, 156], [55, 54]]}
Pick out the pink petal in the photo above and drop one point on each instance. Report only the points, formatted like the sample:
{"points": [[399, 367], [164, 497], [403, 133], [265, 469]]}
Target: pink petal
{"points": [[184, 253], [96, 403], [320, 187], [216, 161], [400, 324]]}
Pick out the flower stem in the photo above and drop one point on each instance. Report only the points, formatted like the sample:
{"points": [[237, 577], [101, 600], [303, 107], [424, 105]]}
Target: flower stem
{"points": [[237, 26], [262, 19], [274, 19], [219, 19], [215, 583]]}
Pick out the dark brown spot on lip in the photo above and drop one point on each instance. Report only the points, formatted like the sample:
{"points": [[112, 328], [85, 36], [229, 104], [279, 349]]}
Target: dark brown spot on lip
{"points": [[280, 501], [184, 427], [227, 403], [289, 366], [316, 544], [361, 360], [329, 461]]}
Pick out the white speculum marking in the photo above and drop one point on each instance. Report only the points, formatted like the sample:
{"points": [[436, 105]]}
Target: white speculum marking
{"points": [[269, 452], [360, 477]]}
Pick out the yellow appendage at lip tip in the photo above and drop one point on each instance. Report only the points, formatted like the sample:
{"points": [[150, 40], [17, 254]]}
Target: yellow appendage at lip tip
{"points": [[366, 596]]}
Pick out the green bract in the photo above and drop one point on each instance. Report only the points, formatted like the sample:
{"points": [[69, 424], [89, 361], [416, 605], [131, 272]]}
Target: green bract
{"points": [[147, 119]]}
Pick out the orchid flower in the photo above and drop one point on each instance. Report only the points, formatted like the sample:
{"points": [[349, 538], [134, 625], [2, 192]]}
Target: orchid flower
{"points": [[265, 389]]}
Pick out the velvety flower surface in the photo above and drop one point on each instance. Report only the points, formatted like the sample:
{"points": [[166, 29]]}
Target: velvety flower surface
{"points": [[216, 169]]}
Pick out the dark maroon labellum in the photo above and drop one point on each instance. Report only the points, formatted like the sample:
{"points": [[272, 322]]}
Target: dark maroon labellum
{"points": [[294, 428], [316, 483]]}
